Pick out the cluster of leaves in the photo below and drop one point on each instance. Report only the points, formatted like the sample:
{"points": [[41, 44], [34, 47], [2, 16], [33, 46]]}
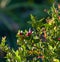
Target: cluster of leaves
{"points": [[39, 44]]}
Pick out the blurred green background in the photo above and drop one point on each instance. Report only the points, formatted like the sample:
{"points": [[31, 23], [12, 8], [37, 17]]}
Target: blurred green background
{"points": [[14, 15]]}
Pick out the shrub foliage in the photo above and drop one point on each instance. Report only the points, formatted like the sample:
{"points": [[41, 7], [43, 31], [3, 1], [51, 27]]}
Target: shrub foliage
{"points": [[39, 44]]}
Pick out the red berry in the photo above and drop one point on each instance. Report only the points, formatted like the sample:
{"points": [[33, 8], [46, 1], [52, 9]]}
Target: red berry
{"points": [[21, 33], [29, 32], [59, 39]]}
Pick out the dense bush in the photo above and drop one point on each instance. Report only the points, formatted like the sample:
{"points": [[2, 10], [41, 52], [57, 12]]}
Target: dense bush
{"points": [[39, 44]]}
